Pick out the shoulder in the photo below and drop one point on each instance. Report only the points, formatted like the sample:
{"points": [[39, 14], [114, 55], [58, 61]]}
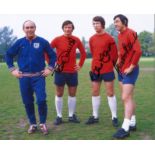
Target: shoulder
{"points": [[57, 38], [92, 37], [109, 37], [76, 38], [130, 30], [19, 41], [41, 39], [131, 34]]}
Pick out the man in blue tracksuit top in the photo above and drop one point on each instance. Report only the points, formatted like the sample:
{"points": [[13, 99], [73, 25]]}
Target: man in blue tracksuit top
{"points": [[32, 72]]}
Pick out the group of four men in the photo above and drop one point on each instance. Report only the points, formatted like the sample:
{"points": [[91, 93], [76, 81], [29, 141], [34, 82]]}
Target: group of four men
{"points": [[32, 51]]}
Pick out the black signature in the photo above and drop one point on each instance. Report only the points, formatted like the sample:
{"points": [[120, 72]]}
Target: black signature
{"points": [[127, 48], [104, 57], [65, 56]]}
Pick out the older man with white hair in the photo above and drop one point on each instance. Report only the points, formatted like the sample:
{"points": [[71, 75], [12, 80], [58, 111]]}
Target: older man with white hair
{"points": [[31, 72]]}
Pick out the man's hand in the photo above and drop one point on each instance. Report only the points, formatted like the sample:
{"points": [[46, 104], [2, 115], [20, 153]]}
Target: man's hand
{"points": [[129, 69], [16, 73], [117, 62], [77, 67], [46, 72]]}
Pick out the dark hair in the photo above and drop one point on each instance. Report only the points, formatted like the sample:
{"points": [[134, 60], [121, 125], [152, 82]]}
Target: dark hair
{"points": [[99, 19], [123, 19], [29, 21], [66, 22]]}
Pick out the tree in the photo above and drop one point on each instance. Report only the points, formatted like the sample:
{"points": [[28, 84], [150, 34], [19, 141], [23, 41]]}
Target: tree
{"points": [[6, 39], [152, 47], [112, 31], [86, 44], [146, 40], [84, 41]]}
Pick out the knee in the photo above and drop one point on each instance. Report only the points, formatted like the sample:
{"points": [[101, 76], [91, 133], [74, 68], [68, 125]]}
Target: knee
{"points": [[72, 94], [28, 105], [27, 100], [125, 98], [95, 92], [110, 94], [41, 103], [59, 94]]}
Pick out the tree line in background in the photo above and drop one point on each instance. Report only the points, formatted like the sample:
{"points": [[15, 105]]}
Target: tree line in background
{"points": [[147, 40]]}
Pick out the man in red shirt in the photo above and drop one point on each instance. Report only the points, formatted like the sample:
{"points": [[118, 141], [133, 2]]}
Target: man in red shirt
{"points": [[104, 57], [66, 70], [128, 70]]}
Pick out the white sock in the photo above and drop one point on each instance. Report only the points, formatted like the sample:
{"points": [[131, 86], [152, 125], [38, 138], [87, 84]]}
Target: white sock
{"points": [[113, 106], [71, 105], [133, 120], [95, 105], [126, 124], [59, 105]]}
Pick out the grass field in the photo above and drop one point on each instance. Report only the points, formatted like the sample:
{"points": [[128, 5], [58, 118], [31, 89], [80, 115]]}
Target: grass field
{"points": [[13, 121]]}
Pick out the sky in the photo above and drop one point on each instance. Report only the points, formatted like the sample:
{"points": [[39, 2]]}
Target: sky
{"points": [[49, 25]]}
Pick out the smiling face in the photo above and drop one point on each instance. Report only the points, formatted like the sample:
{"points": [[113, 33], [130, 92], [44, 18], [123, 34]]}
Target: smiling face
{"points": [[29, 28], [119, 25], [68, 29], [97, 26]]}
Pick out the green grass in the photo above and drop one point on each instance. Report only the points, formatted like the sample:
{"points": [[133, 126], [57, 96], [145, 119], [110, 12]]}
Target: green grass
{"points": [[147, 62], [13, 121]]}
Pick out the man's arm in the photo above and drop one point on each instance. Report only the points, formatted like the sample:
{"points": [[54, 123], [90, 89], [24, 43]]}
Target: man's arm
{"points": [[135, 48], [82, 55], [10, 54], [52, 59], [114, 52]]}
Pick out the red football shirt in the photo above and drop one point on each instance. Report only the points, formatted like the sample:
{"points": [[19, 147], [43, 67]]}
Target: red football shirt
{"points": [[66, 52], [129, 49], [104, 53]]}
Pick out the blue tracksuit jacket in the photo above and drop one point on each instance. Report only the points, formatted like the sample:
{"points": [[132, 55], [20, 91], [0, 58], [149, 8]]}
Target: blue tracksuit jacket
{"points": [[30, 54]]}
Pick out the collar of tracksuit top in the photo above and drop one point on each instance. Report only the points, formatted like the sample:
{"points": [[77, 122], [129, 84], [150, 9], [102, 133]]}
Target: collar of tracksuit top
{"points": [[31, 54]]}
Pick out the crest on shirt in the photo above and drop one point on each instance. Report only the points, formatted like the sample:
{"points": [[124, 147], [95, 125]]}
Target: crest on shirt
{"points": [[36, 45]]}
